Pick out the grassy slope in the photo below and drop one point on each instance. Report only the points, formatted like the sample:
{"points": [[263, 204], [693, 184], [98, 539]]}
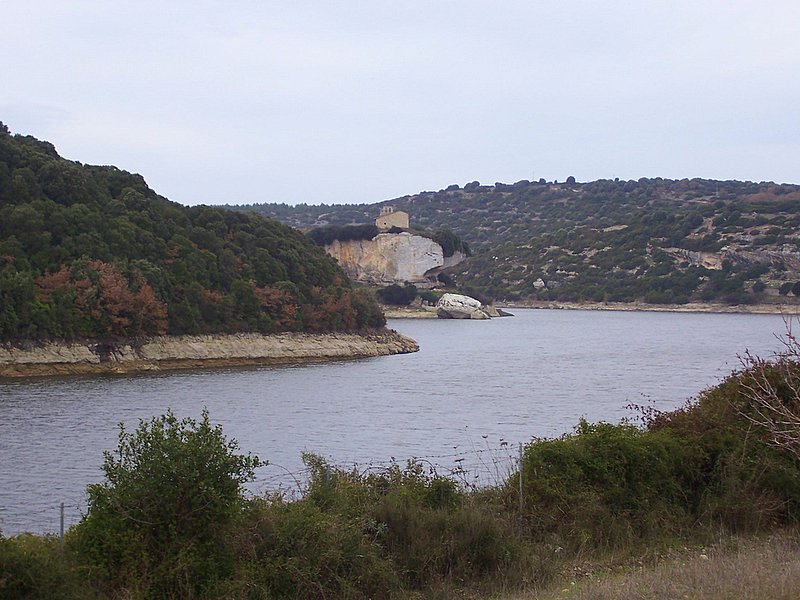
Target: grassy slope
{"points": [[759, 568]]}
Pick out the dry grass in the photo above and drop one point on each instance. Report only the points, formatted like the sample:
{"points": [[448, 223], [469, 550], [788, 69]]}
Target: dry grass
{"points": [[761, 569]]}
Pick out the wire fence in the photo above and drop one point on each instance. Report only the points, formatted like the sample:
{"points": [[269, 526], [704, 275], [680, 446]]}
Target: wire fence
{"points": [[472, 468], [43, 517]]}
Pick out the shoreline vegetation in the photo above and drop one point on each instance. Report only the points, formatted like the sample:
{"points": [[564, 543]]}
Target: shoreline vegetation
{"points": [[93, 253], [700, 502], [195, 351]]}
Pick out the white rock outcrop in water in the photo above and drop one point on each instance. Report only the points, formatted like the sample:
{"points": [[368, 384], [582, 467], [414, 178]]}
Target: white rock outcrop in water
{"points": [[458, 306]]}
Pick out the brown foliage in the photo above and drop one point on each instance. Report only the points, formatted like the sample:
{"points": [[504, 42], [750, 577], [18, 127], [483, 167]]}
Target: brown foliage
{"points": [[279, 305], [104, 298], [150, 310], [50, 283], [331, 310]]}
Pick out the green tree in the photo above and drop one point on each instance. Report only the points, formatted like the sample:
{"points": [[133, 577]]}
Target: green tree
{"points": [[158, 522], [449, 242], [397, 295], [17, 295]]}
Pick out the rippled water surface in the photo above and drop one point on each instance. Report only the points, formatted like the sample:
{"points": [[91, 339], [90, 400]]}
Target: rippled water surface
{"points": [[473, 388]]}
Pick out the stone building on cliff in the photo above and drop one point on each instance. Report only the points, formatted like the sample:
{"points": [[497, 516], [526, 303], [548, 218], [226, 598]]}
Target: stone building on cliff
{"points": [[389, 217], [396, 257]]}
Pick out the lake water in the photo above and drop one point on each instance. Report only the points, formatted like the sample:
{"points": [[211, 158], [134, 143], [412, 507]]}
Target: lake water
{"points": [[474, 392]]}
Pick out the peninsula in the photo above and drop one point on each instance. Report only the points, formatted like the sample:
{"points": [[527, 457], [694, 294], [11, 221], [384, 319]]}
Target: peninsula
{"points": [[98, 273]]}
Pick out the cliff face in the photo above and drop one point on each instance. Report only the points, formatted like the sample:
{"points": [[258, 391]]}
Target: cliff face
{"points": [[388, 258], [182, 352]]}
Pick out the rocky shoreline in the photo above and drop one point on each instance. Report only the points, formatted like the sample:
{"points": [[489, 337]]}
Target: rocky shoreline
{"points": [[427, 312], [410, 312], [762, 309], [191, 352]]}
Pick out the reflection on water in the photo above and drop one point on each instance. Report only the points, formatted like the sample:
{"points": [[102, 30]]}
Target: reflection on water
{"points": [[473, 388]]}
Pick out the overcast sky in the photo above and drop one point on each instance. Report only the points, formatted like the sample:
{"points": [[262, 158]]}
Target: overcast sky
{"points": [[240, 102]]}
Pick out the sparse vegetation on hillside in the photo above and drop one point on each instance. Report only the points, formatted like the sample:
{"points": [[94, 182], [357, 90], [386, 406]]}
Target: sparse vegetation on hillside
{"points": [[651, 240]]}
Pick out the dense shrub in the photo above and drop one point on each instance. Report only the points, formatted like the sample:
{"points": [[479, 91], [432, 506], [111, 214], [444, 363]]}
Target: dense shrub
{"points": [[426, 525], [324, 236], [747, 481], [33, 567], [721, 460], [158, 525], [608, 485], [371, 535], [398, 295], [298, 550]]}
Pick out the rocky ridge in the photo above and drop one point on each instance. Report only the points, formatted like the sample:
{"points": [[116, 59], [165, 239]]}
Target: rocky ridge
{"points": [[657, 241]]}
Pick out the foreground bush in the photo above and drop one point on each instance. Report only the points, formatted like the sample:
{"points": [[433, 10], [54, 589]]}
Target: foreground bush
{"points": [[609, 485], [35, 567], [298, 550], [430, 529], [159, 525], [709, 464], [747, 481]]}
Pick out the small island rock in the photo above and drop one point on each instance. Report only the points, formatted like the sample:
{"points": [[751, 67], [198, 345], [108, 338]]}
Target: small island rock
{"points": [[458, 306]]}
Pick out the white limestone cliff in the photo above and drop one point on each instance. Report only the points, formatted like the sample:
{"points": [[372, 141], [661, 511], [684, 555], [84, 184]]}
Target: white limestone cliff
{"points": [[388, 258]]}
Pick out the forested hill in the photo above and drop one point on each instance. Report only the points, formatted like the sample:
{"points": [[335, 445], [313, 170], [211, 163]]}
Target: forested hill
{"points": [[652, 240], [93, 252]]}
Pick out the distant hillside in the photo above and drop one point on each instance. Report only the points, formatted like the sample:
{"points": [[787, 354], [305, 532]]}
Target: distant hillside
{"points": [[652, 240], [93, 252]]}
